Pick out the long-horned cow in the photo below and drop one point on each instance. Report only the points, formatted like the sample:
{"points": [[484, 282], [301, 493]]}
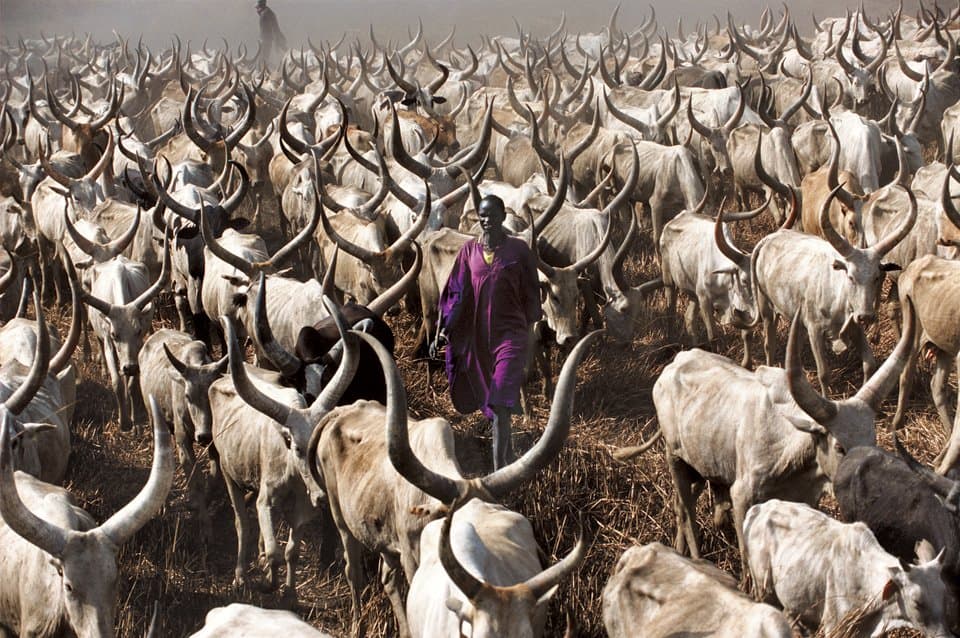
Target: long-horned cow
{"points": [[831, 284], [59, 567], [784, 441], [821, 570]]}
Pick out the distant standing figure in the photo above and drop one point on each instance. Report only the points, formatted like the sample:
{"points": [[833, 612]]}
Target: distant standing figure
{"points": [[270, 34], [487, 307]]}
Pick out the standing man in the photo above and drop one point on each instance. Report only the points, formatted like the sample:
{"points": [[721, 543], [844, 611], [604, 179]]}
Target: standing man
{"points": [[270, 34], [487, 307]]}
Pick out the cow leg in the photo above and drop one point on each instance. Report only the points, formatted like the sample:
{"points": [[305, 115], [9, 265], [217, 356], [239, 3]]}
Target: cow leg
{"points": [[389, 576], [940, 389], [685, 480], [690, 321], [196, 495], [303, 513], [906, 386], [769, 329], [862, 347], [818, 346], [183, 311], [747, 354], [353, 569], [670, 295], [242, 527], [741, 498], [268, 535], [117, 385], [706, 315]]}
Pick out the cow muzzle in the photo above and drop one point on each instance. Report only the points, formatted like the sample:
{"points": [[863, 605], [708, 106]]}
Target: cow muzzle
{"points": [[131, 370], [204, 438]]}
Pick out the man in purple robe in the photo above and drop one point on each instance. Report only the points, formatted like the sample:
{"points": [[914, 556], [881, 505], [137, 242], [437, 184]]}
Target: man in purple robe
{"points": [[486, 310]]}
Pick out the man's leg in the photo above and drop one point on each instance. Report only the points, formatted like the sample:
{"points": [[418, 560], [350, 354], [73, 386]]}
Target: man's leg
{"points": [[502, 449]]}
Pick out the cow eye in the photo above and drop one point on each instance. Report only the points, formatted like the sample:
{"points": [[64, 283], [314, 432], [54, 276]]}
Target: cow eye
{"points": [[286, 439], [839, 448]]}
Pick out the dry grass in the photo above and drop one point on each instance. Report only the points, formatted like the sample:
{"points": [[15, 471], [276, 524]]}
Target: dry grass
{"points": [[621, 504]]}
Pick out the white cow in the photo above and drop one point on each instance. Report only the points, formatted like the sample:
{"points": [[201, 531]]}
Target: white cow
{"points": [[822, 570]]}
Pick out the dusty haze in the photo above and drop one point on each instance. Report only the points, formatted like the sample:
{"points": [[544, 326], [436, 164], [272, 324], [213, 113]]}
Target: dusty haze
{"points": [[323, 19]]}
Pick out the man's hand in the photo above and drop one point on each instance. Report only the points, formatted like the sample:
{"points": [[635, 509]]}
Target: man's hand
{"points": [[438, 344]]}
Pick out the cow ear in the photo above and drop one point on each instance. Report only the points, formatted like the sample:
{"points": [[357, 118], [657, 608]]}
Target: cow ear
{"points": [[729, 270], [806, 424], [889, 266], [892, 586], [839, 265], [439, 100]]}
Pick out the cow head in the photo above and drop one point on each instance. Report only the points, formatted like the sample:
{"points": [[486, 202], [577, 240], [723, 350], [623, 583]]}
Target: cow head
{"points": [[863, 269], [512, 611], [294, 424], [195, 373], [85, 192], [128, 322], [838, 426], [716, 137], [741, 306]]}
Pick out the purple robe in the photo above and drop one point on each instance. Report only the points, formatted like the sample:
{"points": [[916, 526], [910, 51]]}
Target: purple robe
{"points": [[488, 345]]}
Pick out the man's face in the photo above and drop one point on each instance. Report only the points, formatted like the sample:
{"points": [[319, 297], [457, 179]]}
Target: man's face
{"points": [[491, 216]]}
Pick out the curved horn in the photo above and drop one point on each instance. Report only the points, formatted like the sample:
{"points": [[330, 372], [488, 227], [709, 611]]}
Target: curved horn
{"points": [[946, 200], [22, 396], [840, 244], [141, 302], [563, 180], [470, 585], [581, 264], [748, 214], [400, 153], [385, 300], [951, 52], [361, 253], [120, 527], [398, 442], [875, 390], [52, 172], [622, 251], [886, 244], [288, 364], [266, 405], [102, 252], [728, 250], [343, 377], [400, 246], [906, 70], [734, 120], [820, 409], [507, 479], [834, 172], [546, 580], [699, 127], [47, 536]]}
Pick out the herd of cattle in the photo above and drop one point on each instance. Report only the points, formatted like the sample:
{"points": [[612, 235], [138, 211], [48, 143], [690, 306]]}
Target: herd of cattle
{"points": [[127, 173]]}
